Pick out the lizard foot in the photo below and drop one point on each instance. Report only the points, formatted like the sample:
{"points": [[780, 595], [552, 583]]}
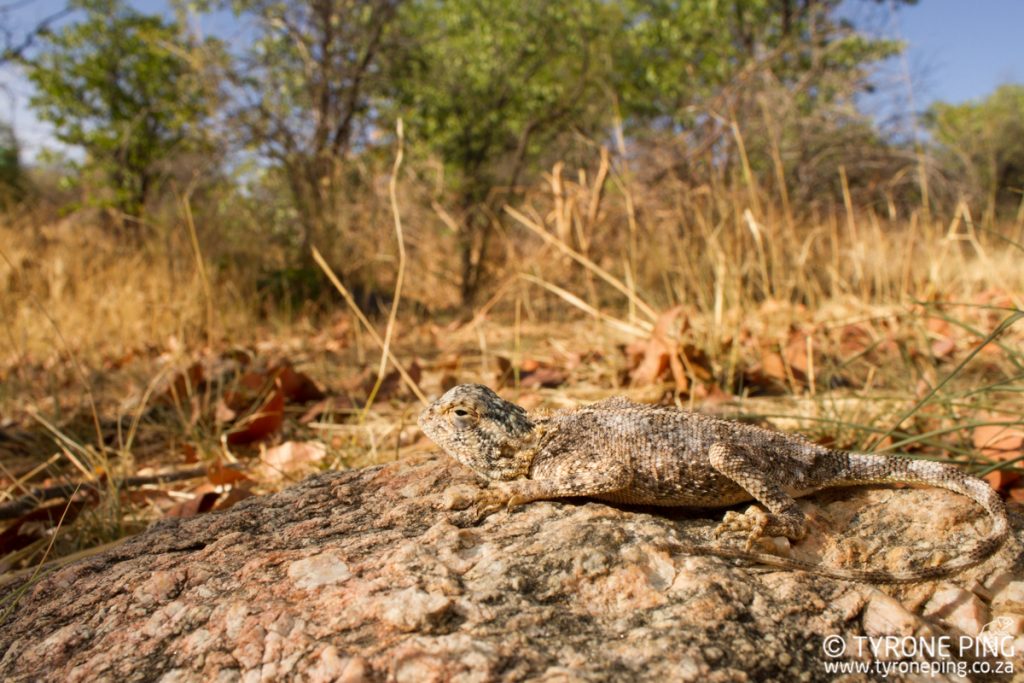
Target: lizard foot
{"points": [[460, 497], [492, 499], [749, 526]]}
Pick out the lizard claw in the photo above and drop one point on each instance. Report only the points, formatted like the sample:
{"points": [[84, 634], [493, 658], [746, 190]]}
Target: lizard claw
{"points": [[749, 526], [493, 499], [513, 501]]}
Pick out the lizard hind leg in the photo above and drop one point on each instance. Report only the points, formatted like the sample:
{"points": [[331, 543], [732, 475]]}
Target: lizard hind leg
{"points": [[753, 474]]}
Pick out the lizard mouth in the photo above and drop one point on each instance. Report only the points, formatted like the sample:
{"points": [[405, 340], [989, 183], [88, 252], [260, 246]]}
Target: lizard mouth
{"points": [[429, 423], [424, 419]]}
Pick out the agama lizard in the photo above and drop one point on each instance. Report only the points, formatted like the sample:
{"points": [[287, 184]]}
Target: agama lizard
{"points": [[625, 452]]}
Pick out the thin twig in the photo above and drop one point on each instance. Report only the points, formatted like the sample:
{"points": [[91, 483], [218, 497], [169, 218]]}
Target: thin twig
{"points": [[329, 272], [399, 278], [641, 329], [584, 261]]}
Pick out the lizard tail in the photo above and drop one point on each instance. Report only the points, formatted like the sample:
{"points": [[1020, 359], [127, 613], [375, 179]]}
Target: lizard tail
{"points": [[865, 468]]}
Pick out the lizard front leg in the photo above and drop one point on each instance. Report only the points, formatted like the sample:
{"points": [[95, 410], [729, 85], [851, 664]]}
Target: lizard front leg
{"points": [[597, 478], [753, 472]]}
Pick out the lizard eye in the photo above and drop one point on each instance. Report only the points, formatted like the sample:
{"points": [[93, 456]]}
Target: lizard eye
{"points": [[463, 418]]}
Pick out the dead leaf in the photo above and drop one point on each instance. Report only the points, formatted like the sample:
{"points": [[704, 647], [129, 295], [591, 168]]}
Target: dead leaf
{"points": [[392, 382], [1016, 494], [196, 505], [940, 327], [184, 385], [1001, 442], [190, 453], [711, 394], [296, 386], [219, 475], [773, 366], [1001, 480], [329, 405], [854, 339], [800, 354], [235, 495], [943, 348], [120, 361], [222, 414], [291, 456], [32, 526], [532, 374], [254, 381], [650, 359], [262, 423]]}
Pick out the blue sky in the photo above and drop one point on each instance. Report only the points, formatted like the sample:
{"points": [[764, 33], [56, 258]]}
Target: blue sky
{"points": [[966, 48], [956, 50]]}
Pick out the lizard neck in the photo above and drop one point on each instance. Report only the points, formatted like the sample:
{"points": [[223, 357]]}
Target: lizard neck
{"points": [[509, 454], [518, 455], [539, 437]]}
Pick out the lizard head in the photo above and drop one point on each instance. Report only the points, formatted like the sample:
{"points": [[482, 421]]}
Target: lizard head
{"points": [[481, 430]]}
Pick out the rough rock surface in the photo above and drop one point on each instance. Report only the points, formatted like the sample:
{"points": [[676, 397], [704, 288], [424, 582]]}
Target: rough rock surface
{"points": [[363, 575]]}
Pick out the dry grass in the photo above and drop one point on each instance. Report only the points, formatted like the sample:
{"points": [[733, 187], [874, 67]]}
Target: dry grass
{"points": [[892, 313], [73, 290]]}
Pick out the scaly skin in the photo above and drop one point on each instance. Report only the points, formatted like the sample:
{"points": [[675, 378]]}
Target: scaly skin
{"points": [[626, 452]]}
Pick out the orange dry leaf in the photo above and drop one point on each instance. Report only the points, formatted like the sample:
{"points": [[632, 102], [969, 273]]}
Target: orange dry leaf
{"points": [[1002, 442], [532, 374], [939, 326], [282, 384], [1016, 494], [197, 504], [296, 386], [854, 339], [649, 359], [236, 494], [183, 385], [772, 365], [219, 475], [254, 381], [262, 423], [189, 453], [1001, 480], [291, 456], [799, 353], [943, 348], [392, 382]]}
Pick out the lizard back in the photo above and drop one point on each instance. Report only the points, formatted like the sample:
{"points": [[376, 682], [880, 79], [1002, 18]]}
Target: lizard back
{"points": [[666, 451]]}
